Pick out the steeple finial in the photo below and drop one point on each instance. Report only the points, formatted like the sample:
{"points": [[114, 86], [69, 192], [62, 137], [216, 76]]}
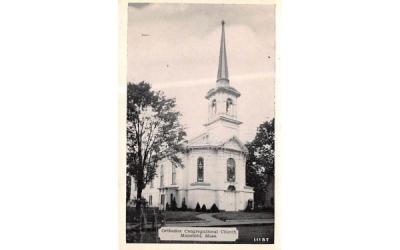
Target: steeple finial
{"points": [[222, 77]]}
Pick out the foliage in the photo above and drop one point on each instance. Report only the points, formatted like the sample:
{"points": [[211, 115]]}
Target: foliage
{"points": [[153, 133], [249, 206], [131, 214], [198, 207], [183, 207], [260, 164], [214, 209], [128, 185], [173, 205], [204, 208]]}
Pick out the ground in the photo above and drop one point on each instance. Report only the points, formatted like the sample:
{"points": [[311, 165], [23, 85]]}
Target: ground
{"points": [[181, 216], [243, 215], [132, 216], [254, 227]]}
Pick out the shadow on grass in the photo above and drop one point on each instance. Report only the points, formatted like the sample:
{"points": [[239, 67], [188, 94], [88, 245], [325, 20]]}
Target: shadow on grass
{"points": [[243, 215]]}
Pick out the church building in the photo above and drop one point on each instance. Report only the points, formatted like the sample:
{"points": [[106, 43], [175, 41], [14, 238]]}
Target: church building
{"points": [[214, 169]]}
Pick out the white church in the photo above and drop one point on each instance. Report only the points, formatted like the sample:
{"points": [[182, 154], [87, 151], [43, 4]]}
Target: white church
{"points": [[215, 161]]}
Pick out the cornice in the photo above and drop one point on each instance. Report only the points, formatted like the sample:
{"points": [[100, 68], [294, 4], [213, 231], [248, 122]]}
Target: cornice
{"points": [[224, 118], [227, 89]]}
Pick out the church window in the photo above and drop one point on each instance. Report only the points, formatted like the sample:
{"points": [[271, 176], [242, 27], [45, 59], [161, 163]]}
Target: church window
{"points": [[173, 175], [150, 200], [214, 106], [135, 185], [229, 105], [200, 170], [231, 169]]}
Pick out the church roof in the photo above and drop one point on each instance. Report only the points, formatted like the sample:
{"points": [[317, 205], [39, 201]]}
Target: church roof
{"points": [[203, 141]]}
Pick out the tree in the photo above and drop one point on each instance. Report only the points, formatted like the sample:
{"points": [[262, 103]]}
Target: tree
{"points": [[260, 164], [153, 133]]}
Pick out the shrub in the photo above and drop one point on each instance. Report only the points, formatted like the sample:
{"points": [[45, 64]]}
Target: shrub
{"points": [[214, 209], [204, 208], [167, 207], [173, 205], [198, 207], [183, 207], [249, 206]]}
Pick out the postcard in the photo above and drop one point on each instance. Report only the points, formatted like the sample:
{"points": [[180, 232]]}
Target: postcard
{"points": [[197, 124]]}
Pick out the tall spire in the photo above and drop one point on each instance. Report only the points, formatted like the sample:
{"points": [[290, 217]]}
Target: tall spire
{"points": [[222, 77]]}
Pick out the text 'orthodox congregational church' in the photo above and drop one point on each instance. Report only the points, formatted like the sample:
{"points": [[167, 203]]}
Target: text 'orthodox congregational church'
{"points": [[215, 162]]}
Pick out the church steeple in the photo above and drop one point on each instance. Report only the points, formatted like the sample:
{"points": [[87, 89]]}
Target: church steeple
{"points": [[222, 77], [222, 101]]}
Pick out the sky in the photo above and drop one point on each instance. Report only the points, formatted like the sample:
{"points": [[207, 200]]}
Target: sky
{"points": [[175, 48]]}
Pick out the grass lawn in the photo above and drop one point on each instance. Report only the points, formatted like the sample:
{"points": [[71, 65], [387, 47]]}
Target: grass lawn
{"points": [[247, 235], [243, 215], [181, 215], [132, 216]]}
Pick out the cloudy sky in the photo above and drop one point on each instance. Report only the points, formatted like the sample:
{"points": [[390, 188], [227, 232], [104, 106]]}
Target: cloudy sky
{"points": [[175, 48]]}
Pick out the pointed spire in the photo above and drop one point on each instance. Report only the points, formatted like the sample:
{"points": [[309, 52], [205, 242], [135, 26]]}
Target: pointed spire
{"points": [[222, 77]]}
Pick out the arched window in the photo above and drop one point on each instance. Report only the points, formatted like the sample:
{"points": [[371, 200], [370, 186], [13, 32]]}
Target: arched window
{"points": [[200, 170], [230, 169], [229, 104], [214, 106]]}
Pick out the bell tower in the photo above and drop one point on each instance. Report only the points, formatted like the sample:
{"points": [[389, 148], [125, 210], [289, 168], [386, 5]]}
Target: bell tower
{"points": [[222, 100]]}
